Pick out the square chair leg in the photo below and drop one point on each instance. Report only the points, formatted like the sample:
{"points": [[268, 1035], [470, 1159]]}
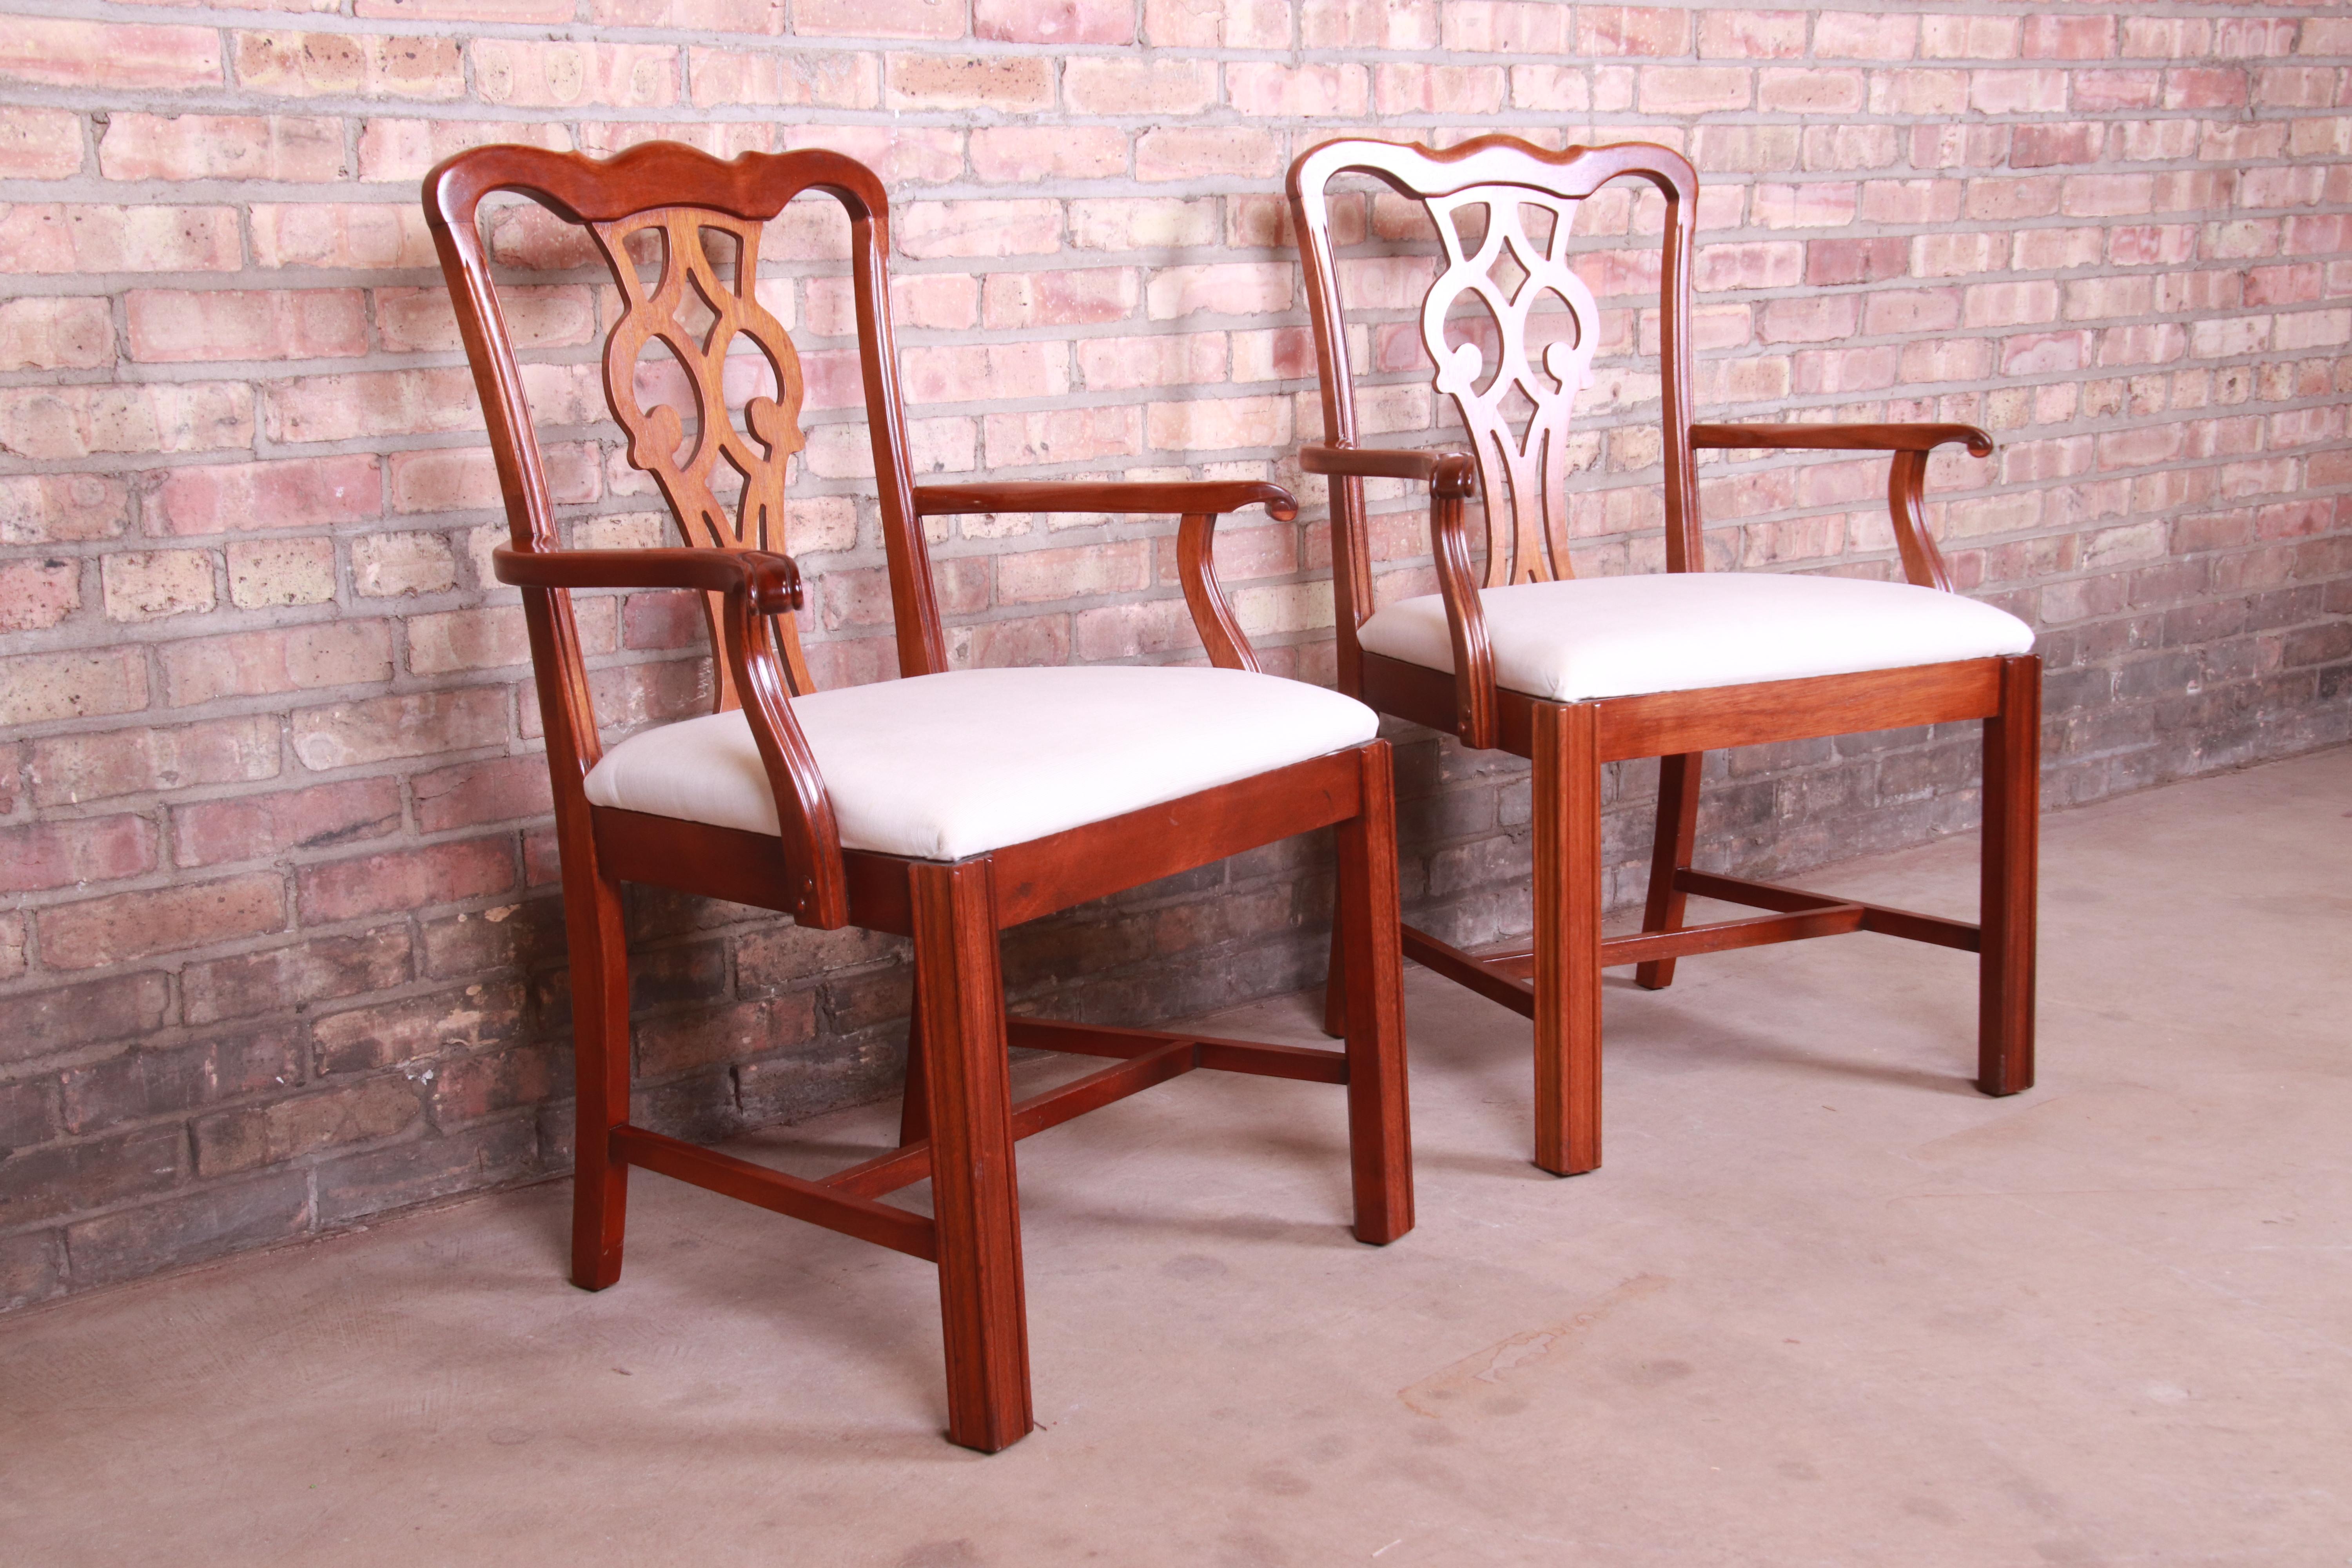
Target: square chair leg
{"points": [[1567, 937], [975, 1199], [2012, 803], [600, 1033], [1368, 973]]}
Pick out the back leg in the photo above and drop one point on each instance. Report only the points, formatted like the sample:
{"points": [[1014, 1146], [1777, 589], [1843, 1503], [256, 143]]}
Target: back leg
{"points": [[1678, 830], [600, 1033]]}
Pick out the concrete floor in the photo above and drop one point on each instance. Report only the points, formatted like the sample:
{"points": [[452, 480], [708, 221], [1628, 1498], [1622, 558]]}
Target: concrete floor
{"points": [[1824, 1304]]}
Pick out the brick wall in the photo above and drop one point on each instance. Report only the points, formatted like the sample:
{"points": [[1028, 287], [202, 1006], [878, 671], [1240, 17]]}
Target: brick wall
{"points": [[281, 951]]}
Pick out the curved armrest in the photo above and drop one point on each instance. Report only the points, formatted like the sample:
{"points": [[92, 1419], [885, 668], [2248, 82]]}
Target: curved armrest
{"points": [[1923, 563], [772, 581], [1449, 473], [1180, 497], [1200, 502], [1845, 437], [1452, 478], [755, 585]]}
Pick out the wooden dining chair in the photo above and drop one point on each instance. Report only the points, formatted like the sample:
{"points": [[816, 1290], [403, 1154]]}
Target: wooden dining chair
{"points": [[1574, 673], [946, 806]]}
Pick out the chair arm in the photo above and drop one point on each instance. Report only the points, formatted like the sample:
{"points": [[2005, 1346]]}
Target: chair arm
{"points": [[1923, 563], [1845, 437], [1180, 497], [755, 585], [1450, 473], [772, 581], [1200, 502], [1452, 478]]}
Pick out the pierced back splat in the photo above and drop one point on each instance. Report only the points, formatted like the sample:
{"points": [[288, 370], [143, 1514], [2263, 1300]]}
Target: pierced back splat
{"points": [[1517, 415], [688, 469]]}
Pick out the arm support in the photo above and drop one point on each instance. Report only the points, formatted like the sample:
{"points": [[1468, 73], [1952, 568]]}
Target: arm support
{"points": [[753, 584], [1923, 563], [1200, 502], [1452, 478]]}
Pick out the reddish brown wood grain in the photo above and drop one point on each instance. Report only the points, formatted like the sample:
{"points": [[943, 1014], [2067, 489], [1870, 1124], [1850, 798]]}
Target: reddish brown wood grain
{"points": [[958, 1126], [1568, 741]]}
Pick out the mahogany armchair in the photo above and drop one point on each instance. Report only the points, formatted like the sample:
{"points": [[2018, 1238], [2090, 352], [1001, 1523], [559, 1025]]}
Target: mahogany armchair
{"points": [[1573, 673], [945, 806]]}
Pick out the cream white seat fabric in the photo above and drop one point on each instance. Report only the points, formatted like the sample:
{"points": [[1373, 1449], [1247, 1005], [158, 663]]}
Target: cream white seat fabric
{"points": [[1620, 637], [943, 766]]}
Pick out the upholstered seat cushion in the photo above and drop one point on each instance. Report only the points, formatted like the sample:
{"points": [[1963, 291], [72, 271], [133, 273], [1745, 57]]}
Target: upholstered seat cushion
{"points": [[1681, 631], [943, 766]]}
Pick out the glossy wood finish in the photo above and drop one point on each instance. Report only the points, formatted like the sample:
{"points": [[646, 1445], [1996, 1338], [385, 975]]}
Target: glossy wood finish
{"points": [[2012, 816], [1517, 468], [958, 1125]]}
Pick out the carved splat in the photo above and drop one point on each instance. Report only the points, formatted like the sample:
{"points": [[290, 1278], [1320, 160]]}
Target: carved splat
{"points": [[697, 315], [1516, 412]]}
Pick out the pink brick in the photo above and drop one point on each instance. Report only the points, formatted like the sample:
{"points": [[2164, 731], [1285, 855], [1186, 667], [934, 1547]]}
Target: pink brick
{"points": [[299, 658], [1751, 35], [471, 794], [1086, 570], [1024, 154], [1128, 224], [304, 492], [1819, 318], [1555, 88], [1096, 84], [1204, 153], [1008, 83], [1230, 289], [1506, 26], [1370, 24], [994, 371], [1811, 90], [1264, 88], [290, 64], [293, 148], [40, 143], [62, 508], [1211, 24], [1438, 89], [693, 16], [47, 854], [513, 73], [907, 155], [257, 826], [383, 729], [2096, 92], [126, 926], [2205, 88], [1865, 35], [154, 585], [1109, 365], [2050, 37], [406, 879], [879, 18], [1694, 89], [419, 321], [1631, 30], [1062, 435], [1083, 296], [43, 51], [37, 595], [932, 231], [82, 421], [63, 332], [795, 78], [176, 325], [58, 238], [1218, 424], [1054, 21], [404, 149], [1968, 38], [337, 234], [1921, 94], [1819, 204], [371, 403], [522, 11]]}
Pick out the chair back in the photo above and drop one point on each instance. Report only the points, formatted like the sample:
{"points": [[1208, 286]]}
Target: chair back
{"points": [[703, 218], [1503, 209]]}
